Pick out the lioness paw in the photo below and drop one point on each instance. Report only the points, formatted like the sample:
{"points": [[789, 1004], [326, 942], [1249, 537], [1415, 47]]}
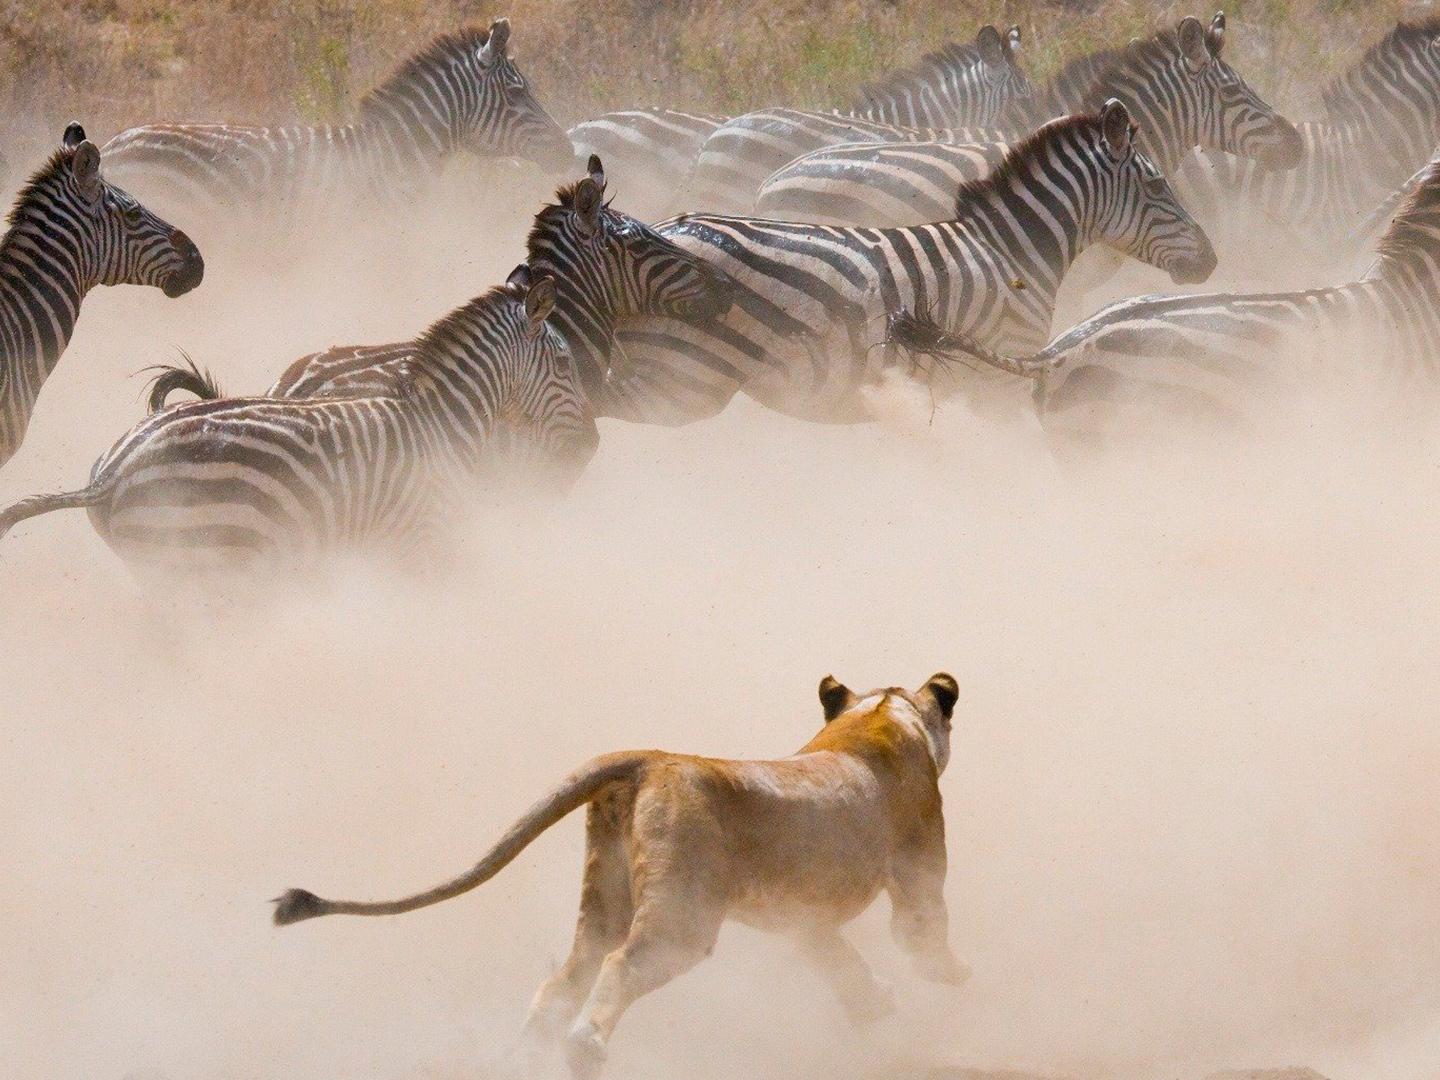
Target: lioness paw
{"points": [[944, 969], [584, 1053]]}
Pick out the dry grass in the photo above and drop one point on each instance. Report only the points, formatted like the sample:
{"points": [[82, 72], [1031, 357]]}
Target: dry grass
{"points": [[113, 63]]}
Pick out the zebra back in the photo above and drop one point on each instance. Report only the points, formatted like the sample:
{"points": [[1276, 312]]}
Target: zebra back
{"points": [[956, 86]]}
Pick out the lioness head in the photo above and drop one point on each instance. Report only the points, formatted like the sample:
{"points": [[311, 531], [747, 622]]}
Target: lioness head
{"points": [[930, 707]]}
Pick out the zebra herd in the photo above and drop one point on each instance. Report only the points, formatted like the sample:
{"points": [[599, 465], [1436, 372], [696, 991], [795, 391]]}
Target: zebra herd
{"points": [[954, 196]]}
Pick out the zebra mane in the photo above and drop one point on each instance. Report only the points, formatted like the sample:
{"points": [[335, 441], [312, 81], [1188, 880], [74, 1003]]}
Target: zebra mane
{"points": [[1021, 155], [441, 52], [452, 332], [1336, 95], [1077, 83], [921, 72], [1416, 225], [39, 180]]}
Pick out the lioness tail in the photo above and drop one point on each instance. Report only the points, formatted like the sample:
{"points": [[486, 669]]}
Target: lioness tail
{"points": [[579, 788]]}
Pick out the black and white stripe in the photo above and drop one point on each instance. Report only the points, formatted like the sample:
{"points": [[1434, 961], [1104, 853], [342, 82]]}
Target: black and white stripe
{"points": [[984, 96], [606, 266], [1176, 85], [652, 149], [71, 230], [1212, 353], [1383, 123], [812, 299], [462, 93], [238, 482]]}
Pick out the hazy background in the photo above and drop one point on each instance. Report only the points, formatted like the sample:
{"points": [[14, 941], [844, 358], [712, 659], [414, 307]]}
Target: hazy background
{"points": [[1192, 807]]}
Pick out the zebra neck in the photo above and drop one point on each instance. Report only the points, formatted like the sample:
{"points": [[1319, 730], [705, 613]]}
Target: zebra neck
{"points": [[1037, 239], [40, 297], [396, 135], [1377, 157], [588, 326]]}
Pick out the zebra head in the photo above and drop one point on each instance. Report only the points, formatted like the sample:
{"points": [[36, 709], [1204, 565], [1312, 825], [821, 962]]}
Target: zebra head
{"points": [[1230, 115], [502, 116], [545, 421], [1142, 217], [1006, 91], [123, 242]]}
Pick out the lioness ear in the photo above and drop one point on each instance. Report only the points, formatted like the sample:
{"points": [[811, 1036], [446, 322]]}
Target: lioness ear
{"points": [[991, 45], [539, 302], [945, 690], [835, 697], [1193, 45], [85, 166]]}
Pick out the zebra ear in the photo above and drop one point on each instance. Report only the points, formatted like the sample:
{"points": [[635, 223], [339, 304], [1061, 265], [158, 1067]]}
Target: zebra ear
{"points": [[991, 45], [597, 172], [539, 302], [495, 44], [1193, 44], [835, 697], [589, 199], [74, 135], [519, 278], [1215, 37], [85, 166], [1012, 41], [1115, 128]]}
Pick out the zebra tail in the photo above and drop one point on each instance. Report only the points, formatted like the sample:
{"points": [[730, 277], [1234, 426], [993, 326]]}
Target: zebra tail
{"points": [[921, 335], [579, 788], [42, 504], [171, 377]]}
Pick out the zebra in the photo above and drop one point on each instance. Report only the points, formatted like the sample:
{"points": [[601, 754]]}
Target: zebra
{"points": [[656, 146], [606, 265], [70, 230], [1176, 84], [1210, 354], [986, 96], [262, 483], [798, 338], [956, 85], [1383, 123], [463, 92]]}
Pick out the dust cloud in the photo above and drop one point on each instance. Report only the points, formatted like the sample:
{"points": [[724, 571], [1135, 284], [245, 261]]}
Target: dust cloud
{"points": [[1192, 806]]}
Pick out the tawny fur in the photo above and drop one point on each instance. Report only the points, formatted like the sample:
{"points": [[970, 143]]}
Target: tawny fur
{"points": [[677, 844]]}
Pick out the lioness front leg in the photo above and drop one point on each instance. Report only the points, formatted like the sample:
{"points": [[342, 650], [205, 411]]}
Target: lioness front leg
{"points": [[863, 997], [920, 920]]}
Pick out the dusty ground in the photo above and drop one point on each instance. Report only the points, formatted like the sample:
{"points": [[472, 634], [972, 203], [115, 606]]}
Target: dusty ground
{"points": [[1192, 805]]}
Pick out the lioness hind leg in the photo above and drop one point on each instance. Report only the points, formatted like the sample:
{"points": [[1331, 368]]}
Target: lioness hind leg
{"points": [[662, 946], [606, 911], [863, 997]]}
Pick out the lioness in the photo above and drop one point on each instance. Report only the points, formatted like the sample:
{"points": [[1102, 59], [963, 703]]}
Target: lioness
{"points": [[676, 844]]}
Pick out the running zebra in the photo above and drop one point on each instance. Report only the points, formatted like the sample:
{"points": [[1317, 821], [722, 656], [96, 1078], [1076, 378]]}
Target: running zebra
{"points": [[242, 483], [1176, 84], [1383, 124], [655, 149], [1210, 354], [987, 98], [811, 298], [958, 85], [606, 266], [71, 230], [461, 93]]}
